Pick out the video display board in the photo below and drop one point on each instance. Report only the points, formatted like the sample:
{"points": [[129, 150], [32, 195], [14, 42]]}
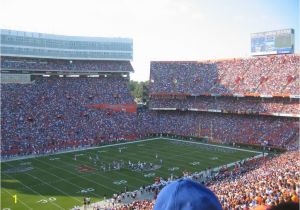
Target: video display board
{"points": [[273, 42]]}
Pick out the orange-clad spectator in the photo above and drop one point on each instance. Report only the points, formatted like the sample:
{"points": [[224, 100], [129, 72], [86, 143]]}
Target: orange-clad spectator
{"points": [[295, 198]]}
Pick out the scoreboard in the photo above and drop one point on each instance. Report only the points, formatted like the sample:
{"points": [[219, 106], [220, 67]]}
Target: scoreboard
{"points": [[273, 42]]}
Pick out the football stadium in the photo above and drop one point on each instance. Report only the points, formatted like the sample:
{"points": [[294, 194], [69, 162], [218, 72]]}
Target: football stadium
{"points": [[210, 134]]}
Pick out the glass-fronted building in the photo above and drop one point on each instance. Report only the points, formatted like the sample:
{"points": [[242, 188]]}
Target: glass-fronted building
{"points": [[40, 45]]}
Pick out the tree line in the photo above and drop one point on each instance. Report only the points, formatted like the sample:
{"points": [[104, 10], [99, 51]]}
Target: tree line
{"points": [[140, 91]]}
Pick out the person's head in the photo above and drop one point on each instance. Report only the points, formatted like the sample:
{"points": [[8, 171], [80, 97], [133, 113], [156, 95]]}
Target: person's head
{"points": [[185, 194]]}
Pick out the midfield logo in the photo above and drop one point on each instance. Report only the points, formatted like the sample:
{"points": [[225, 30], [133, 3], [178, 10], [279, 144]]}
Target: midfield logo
{"points": [[85, 169]]}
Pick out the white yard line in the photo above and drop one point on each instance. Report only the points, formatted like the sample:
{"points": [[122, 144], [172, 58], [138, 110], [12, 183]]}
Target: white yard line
{"points": [[62, 179], [259, 154], [75, 150], [100, 174], [212, 145], [121, 174], [112, 145], [53, 187], [118, 144], [52, 203], [17, 200], [81, 176]]}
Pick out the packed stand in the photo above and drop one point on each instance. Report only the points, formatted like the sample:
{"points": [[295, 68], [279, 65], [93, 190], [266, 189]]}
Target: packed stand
{"points": [[52, 114], [147, 122], [267, 184], [259, 183], [211, 87], [266, 75], [227, 128], [36, 64]]}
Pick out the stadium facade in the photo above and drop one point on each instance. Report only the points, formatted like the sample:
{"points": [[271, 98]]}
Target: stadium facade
{"points": [[62, 92], [57, 89], [24, 54], [39, 45]]}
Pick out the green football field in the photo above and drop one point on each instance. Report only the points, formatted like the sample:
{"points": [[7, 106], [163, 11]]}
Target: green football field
{"points": [[60, 182]]}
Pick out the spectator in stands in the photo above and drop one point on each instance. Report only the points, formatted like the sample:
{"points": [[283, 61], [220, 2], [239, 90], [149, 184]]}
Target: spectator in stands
{"points": [[261, 75], [258, 184], [52, 114], [268, 183]]}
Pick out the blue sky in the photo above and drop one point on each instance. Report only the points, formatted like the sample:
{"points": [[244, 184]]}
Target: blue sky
{"points": [[161, 29]]}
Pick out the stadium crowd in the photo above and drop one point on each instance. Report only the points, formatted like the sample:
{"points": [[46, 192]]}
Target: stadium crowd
{"points": [[60, 113], [15, 63], [267, 75], [52, 114], [140, 204], [48, 120], [267, 183], [226, 128], [183, 85], [254, 184]]}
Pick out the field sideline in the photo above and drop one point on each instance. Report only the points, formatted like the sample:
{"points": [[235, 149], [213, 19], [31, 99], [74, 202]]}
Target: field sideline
{"points": [[60, 182]]}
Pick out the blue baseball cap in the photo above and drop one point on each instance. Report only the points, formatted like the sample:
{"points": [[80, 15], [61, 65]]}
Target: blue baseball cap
{"points": [[185, 194]]}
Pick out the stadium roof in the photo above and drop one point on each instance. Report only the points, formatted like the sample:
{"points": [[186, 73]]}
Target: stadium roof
{"points": [[63, 37]]}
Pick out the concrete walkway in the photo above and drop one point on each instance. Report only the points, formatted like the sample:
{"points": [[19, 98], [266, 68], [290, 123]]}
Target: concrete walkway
{"points": [[108, 203]]}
